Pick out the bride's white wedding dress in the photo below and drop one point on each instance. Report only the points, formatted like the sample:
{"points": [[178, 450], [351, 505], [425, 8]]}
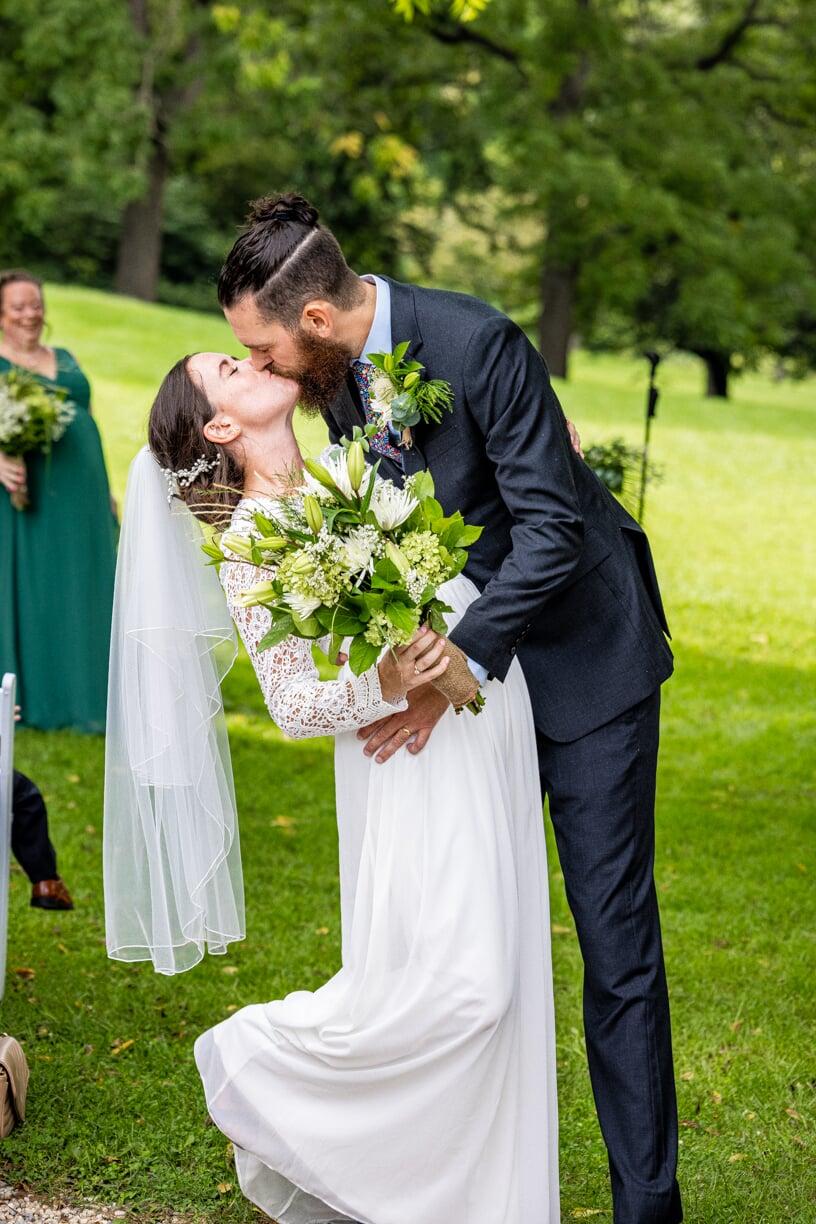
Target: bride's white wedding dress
{"points": [[417, 1086]]}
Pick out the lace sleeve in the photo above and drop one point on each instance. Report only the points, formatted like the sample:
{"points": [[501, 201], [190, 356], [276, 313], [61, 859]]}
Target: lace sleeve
{"points": [[300, 702]]}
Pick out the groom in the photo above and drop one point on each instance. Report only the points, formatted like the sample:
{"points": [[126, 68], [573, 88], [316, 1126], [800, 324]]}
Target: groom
{"points": [[568, 587]]}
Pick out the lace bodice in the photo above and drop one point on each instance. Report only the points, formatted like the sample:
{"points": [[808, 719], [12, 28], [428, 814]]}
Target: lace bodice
{"points": [[299, 702]]}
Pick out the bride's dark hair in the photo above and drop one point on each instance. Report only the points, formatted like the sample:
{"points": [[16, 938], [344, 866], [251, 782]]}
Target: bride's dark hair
{"points": [[175, 434]]}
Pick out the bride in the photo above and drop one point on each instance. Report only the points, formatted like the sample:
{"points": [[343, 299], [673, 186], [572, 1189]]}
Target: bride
{"points": [[417, 1086]]}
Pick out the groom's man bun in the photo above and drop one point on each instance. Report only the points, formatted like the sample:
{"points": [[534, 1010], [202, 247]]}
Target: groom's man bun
{"points": [[286, 258]]}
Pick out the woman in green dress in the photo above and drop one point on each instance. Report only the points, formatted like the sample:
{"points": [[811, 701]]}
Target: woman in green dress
{"points": [[57, 556]]}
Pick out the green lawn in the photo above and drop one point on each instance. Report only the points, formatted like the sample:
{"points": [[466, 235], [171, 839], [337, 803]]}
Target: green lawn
{"points": [[116, 1111]]}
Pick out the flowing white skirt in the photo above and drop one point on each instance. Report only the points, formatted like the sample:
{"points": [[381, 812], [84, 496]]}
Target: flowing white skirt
{"points": [[417, 1086]]}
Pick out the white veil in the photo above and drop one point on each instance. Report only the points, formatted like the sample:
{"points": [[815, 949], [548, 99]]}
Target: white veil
{"points": [[172, 863]]}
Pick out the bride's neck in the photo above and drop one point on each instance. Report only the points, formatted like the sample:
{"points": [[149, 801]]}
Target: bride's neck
{"points": [[271, 460]]}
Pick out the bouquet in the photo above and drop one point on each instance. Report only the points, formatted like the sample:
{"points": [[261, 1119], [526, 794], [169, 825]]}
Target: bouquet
{"points": [[32, 417], [353, 556]]}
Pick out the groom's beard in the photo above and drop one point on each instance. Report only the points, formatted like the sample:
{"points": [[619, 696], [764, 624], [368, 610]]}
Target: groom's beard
{"points": [[321, 372]]}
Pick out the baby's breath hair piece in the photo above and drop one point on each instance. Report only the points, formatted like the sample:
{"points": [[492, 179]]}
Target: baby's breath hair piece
{"points": [[184, 477]]}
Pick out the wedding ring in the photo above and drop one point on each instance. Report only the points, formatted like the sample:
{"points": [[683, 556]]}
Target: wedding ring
{"points": [[417, 670], [406, 731]]}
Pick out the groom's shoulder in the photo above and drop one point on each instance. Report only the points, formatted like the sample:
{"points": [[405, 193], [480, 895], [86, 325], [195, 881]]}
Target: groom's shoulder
{"points": [[458, 308]]}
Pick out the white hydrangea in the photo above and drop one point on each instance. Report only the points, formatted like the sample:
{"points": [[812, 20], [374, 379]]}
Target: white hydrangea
{"points": [[391, 505]]}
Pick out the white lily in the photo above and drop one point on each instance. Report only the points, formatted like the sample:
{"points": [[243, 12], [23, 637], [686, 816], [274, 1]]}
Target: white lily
{"points": [[391, 505]]}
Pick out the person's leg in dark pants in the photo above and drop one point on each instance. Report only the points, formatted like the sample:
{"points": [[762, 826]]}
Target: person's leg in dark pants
{"points": [[31, 846], [601, 791]]}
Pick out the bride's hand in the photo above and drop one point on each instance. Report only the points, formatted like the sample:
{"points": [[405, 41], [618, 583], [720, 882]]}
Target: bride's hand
{"points": [[410, 666]]}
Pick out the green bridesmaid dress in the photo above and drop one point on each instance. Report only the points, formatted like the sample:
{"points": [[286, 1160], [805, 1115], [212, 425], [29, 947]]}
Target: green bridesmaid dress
{"points": [[57, 564]]}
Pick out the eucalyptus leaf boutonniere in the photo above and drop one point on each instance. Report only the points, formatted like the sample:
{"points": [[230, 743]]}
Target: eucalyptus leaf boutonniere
{"points": [[401, 397]]}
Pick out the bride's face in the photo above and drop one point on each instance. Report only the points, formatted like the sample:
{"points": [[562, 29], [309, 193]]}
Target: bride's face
{"points": [[250, 398]]}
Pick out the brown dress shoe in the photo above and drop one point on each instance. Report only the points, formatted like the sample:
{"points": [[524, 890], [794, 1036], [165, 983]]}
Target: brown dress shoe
{"points": [[51, 895]]}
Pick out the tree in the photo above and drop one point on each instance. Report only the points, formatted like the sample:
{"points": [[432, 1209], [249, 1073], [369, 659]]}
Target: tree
{"points": [[656, 189]]}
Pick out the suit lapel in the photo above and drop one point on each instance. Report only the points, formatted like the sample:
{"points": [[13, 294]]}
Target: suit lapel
{"points": [[405, 326]]}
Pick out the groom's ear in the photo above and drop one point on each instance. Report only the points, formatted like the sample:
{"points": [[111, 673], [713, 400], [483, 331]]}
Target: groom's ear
{"points": [[221, 430], [319, 318]]}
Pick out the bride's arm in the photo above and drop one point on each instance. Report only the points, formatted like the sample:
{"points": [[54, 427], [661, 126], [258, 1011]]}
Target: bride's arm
{"points": [[300, 702]]}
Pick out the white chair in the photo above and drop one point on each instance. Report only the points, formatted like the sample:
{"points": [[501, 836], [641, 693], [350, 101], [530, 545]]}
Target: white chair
{"points": [[6, 783]]}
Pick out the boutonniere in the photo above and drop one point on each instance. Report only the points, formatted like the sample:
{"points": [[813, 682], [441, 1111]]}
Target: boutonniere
{"points": [[401, 397]]}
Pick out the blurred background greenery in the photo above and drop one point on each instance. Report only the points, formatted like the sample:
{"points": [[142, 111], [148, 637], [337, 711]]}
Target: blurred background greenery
{"points": [[633, 173]]}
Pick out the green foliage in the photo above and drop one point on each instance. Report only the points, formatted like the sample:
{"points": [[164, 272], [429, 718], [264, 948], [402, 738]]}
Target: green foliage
{"points": [[460, 10], [619, 466], [354, 557]]}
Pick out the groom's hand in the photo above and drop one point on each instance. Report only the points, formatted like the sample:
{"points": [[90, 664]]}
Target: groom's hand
{"points": [[425, 708]]}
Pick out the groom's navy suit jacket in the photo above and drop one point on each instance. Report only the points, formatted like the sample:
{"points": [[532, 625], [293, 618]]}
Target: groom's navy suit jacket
{"points": [[566, 575]]}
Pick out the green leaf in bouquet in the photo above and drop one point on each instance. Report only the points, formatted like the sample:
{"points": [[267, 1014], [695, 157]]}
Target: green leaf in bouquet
{"points": [[369, 493], [470, 535], [432, 509], [422, 485], [335, 642], [363, 604], [435, 615], [340, 621], [212, 551], [458, 561], [281, 627], [402, 616], [386, 576], [362, 655], [308, 628], [401, 350]]}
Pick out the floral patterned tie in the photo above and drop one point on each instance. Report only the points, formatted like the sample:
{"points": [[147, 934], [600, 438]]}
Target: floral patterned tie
{"points": [[382, 441]]}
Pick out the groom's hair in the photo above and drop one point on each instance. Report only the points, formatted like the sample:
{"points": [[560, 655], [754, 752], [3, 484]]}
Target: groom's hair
{"points": [[285, 258]]}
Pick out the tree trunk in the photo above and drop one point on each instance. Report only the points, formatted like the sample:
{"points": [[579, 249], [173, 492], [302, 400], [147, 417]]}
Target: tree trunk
{"points": [[555, 324], [718, 368], [139, 255]]}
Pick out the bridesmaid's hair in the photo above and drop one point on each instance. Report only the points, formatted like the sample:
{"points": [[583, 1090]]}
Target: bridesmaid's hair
{"points": [[286, 259], [175, 434], [16, 276]]}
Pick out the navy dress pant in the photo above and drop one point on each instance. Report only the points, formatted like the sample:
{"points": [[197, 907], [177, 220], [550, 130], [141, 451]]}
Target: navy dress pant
{"points": [[601, 791]]}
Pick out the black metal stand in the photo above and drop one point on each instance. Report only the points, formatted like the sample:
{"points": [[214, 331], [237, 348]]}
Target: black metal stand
{"points": [[651, 411]]}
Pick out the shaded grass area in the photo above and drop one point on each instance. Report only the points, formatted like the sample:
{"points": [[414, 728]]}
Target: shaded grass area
{"points": [[731, 524]]}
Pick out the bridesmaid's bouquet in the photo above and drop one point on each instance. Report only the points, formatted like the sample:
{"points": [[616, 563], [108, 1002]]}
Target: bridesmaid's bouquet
{"points": [[32, 417], [353, 556]]}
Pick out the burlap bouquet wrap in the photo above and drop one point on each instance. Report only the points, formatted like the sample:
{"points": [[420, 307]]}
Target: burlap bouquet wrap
{"points": [[457, 682]]}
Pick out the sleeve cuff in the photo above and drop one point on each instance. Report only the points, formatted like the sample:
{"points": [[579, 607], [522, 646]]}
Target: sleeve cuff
{"points": [[479, 671]]}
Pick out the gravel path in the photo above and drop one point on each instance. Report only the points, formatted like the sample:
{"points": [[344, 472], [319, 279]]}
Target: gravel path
{"points": [[19, 1208]]}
